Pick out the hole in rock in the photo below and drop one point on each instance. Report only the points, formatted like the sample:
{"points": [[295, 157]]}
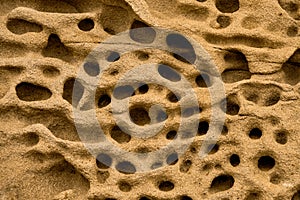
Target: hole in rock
{"points": [[234, 160], [50, 71], [103, 161], [265, 163], [224, 21], [166, 186], [143, 88], [203, 127], [171, 135], [222, 183], [141, 32], [185, 166], [255, 133], [56, 49], [102, 176], [185, 197], [118, 135], [139, 116], [281, 137], [86, 24], [182, 49], [31, 92], [172, 97], [292, 31], [168, 73], [31, 139], [73, 91], [104, 101], [230, 106], [228, 6], [124, 186], [20, 26], [203, 81], [296, 196], [126, 167]]}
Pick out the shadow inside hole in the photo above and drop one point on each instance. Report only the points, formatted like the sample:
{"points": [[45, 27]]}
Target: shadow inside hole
{"points": [[281, 137], [143, 88], [171, 135], [255, 133], [73, 91], [139, 116], [230, 105], [86, 24], [222, 183], [31, 92], [265, 163], [203, 81], [119, 136], [203, 127], [104, 101], [234, 160], [166, 186]]}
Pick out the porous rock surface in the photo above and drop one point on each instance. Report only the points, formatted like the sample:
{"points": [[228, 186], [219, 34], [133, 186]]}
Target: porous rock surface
{"points": [[254, 44]]}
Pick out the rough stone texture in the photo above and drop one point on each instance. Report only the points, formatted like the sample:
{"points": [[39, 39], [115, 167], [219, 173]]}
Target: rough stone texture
{"points": [[256, 47]]}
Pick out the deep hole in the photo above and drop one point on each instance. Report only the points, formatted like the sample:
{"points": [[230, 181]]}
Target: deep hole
{"points": [[171, 135], [272, 98], [203, 81], [181, 47], [109, 31], [139, 116], [92, 68], [230, 106], [31, 139], [168, 73], [161, 116], [296, 196], [234, 160], [118, 135], [185, 197], [281, 137], [255, 133], [266, 163], [20, 26], [103, 161], [142, 33], [104, 101], [224, 130], [144, 198], [228, 6], [203, 127], [172, 97], [172, 159], [31, 92], [185, 166], [86, 24], [166, 186], [122, 92], [214, 148], [224, 21], [126, 167], [113, 57], [201, 0], [73, 91], [124, 186], [142, 56], [275, 179], [56, 49], [143, 89], [222, 183]]}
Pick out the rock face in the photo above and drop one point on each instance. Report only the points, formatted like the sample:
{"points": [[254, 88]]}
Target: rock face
{"points": [[47, 154]]}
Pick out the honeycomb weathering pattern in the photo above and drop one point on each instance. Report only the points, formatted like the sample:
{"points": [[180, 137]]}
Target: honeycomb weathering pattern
{"points": [[255, 46]]}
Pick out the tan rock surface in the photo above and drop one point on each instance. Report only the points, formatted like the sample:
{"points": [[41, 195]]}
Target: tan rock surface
{"points": [[255, 46]]}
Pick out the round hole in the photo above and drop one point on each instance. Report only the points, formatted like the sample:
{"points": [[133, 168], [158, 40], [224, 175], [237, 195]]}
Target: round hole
{"points": [[281, 137], [265, 163], [113, 57], [126, 167], [296, 196], [214, 148], [234, 160], [203, 128], [166, 186], [292, 31], [143, 56], [103, 161], [124, 186], [139, 116], [228, 6], [224, 21], [172, 159], [104, 101], [255, 133], [143, 89], [86, 24], [185, 197], [230, 105], [171, 135], [31, 139], [224, 130], [92, 68]]}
